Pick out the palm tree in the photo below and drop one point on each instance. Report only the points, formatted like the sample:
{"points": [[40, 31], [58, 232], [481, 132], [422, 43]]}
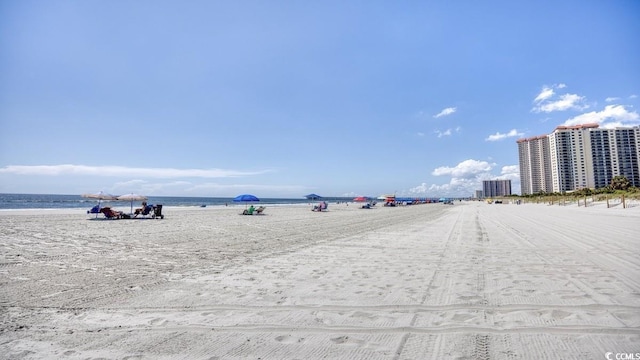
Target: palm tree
{"points": [[620, 183]]}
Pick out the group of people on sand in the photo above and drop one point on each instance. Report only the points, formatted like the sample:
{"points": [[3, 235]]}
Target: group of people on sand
{"points": [[110, 213], [321, 206], [251, 210]]}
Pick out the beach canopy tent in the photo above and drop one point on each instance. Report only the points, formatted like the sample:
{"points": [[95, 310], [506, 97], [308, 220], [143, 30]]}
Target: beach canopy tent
{"points": [[361, 199], [408, 200], [388, 197], [132, 197], [313, 197]]}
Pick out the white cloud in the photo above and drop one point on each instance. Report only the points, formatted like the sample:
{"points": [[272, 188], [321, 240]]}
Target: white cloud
{"points": [[447, 132], [68, 169], [565, 102], [511, 171], [455, 188], [187, 188], [445, 112], [420, 189], [547, 101], [466, 178], [546, 93], [612, 114], [466, 169], [498, 136], [612, 99]]}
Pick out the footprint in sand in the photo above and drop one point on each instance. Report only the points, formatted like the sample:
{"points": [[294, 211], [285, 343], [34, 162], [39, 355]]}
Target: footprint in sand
{"points": [[559, 314], [288, 339], [346, 340], [340, 340], [462, 317], [158, 322]]}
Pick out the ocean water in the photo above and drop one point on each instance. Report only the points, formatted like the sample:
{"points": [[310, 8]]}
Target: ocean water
{"points": [[52, 201]]}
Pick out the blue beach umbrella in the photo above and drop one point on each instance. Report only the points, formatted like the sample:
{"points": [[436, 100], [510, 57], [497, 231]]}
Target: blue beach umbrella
{"points": [[313, 197], [245, 198]]}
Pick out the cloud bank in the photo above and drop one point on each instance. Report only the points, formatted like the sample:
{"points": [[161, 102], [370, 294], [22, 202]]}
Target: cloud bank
{"points": [[68, 169], [610, 117], [466, 178], [498, 136]]}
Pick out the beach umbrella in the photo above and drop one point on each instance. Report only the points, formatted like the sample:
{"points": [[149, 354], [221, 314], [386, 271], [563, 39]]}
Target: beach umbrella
{"points": [[313, 197], [361, 199], [100, 195], [246, 198], [132, 197]]}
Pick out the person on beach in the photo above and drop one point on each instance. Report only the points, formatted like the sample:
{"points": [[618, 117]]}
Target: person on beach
{"points": [[109, 213], [140, 210], [249, 211]]}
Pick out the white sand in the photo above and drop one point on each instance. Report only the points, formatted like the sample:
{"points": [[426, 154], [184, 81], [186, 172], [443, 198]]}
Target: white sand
{"points": [[469, 281]]}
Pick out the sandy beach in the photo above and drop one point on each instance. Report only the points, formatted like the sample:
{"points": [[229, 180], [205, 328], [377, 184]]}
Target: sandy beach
{"points": [[433, 281]]}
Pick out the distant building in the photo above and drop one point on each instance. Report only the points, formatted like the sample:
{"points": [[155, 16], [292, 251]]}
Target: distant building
{"points": [[496, 188], [578, 157], [479, 194]]}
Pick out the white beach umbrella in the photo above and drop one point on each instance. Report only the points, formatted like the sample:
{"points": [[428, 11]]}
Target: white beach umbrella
{"points": [[132, 197], [100, 195]]}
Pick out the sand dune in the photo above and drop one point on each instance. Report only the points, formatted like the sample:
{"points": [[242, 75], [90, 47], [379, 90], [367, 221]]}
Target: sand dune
{"points": [[469, 281]]}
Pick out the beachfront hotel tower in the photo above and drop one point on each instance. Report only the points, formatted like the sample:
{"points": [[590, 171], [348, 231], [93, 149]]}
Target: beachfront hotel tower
{"points": [[616, 152], [571, 160], [496, 188], [535, 169], [578, 157]]}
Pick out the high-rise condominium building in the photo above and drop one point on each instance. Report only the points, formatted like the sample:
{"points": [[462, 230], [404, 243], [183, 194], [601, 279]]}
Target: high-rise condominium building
{"points": [[535, 170], [577, 157], [616, 152], [571, 160], [495, 188]]}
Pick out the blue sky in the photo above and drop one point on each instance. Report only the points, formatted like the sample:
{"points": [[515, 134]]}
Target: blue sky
{"points": [[286, 98]]}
